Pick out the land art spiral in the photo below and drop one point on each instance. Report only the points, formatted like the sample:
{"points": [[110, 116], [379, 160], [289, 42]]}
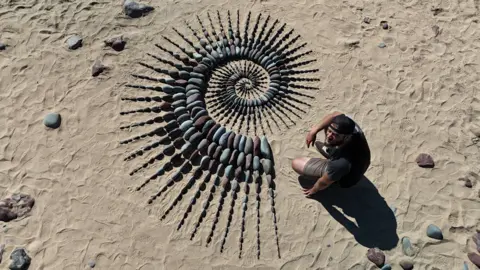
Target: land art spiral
{"points": [[220, 98]]}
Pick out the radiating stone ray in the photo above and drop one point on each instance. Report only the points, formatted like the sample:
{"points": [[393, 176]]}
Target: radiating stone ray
{"points": [[227, 82]]}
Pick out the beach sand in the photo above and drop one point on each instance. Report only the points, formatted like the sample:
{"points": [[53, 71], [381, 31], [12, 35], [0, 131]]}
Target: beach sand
{"points": [[418, 94]]}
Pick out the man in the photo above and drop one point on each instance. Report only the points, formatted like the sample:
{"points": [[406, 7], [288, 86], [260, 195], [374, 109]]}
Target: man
{"points": [[346, 150]]}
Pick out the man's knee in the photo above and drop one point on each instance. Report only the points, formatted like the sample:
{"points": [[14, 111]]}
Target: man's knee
{"points": [[298, 164]]}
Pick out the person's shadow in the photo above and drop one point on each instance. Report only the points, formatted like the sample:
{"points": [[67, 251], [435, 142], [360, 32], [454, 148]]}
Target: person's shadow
{"points": [[376, 224]]}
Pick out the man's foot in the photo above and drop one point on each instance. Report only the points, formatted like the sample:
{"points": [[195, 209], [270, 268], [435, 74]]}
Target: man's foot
{"points": [[322, 149]]}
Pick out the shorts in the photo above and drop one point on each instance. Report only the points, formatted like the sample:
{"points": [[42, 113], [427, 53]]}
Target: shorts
{"points": [[315, 167]]}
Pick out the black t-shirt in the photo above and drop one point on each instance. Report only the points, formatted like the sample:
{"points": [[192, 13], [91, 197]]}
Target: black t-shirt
{"points": [[347, 164]]}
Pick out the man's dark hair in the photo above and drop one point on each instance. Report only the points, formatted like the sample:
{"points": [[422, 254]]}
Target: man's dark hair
{"points": [[343, 124]]}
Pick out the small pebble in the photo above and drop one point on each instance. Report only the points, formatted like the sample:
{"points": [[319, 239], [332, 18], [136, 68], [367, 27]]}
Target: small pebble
{"points": [[465, 266], [2, 46], [20, 260], [136, 10], [382, 45], [98, 68], [91, 264], [384, 25], [366, 20], [468, 183], [74, 42], [386, 267], [376, 256], [434, 232], [116, 43], [436, 11], [425, 161], [52, 120], [406, 264]]}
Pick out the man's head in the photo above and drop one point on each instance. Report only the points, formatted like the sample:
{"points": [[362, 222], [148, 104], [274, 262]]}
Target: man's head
{"points": [[339, 130]]}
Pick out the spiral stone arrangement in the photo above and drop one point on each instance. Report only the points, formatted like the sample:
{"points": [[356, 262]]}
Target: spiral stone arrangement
{"points": [[226, 86]]}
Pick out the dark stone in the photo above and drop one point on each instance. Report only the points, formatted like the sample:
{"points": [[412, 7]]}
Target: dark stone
{"points": [[194, 98], [2, 46], [218, 134], [16, 206], [52, 120], [406, 264], [248, 146], [231, 140], [265, 148], [476, 240], [116, 43], [425, 161], [136, 10], [201, 121], [91, 264], [256, 163], [468, 183], [376, 256], [98, 68], [241, 144], [474, 258], [384, 25], [74, 42], [248, 161], [434, 232], [20, 259], [224, 139], [256, 146], [186, 125], [241, 159]]}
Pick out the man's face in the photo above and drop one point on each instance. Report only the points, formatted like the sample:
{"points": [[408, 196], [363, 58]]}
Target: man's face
{"points": [[332, 138]]}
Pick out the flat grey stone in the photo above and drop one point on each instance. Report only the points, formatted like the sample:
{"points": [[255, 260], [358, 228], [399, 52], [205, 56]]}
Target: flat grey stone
{"points": [[52, 120], [136, 10], [74, 42], [434, 232]]}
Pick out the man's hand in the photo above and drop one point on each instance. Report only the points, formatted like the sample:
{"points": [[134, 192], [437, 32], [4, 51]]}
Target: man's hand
{"points": [[321, 184], [311, 191], [311, 138]]}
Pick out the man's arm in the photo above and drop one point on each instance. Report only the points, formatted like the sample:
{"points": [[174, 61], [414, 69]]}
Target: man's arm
{"points": [[321, 184], [326, 121]]}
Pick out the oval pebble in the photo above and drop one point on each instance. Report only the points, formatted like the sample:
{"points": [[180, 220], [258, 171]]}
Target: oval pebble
{"points": [[200, 122], [267, 165], [212, 131], [223, 141], [434, 232], [248, 146], [206, 127], [229, 171], [406, 264], [211, 149], [195, 138], [231, 139], [474, 258], [52, 120], [386, 267], [376, 256], [233, 158], [241, 159], [202, 146], [265, 148], [407, 247], [186, 125], [205, 162], [256, 146], [248, 161], [225, 157], [236, 141], [218, 134], [241, 144], [256, 163]]}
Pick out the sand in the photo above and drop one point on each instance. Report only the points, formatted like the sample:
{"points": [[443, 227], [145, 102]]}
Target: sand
{"points": [[418, 94]]}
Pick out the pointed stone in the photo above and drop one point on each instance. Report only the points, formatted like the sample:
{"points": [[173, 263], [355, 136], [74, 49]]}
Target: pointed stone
{"points": [[265, 148], [434, 232]]}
